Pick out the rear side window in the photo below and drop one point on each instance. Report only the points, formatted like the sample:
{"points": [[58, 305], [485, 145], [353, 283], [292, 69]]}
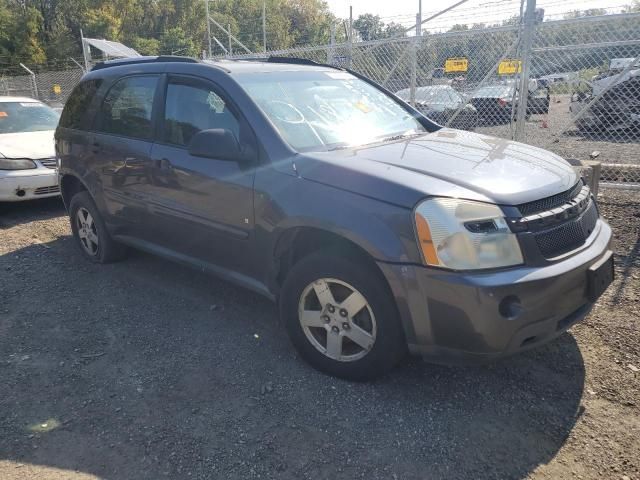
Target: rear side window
{"points": [[126, 110], [78, 103]]}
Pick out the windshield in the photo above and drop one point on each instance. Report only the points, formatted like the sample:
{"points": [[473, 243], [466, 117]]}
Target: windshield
{"points": [[316, 110], [495, 91], [18, 117], [437, 95]]}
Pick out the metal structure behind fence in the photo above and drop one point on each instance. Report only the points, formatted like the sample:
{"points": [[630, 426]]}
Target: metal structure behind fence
{"points": [[581, 80]]}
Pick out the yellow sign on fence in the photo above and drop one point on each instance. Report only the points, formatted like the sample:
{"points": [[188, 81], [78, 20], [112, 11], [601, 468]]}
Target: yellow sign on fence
{"points": [[57, 89], [459, 64], [510, 67]]}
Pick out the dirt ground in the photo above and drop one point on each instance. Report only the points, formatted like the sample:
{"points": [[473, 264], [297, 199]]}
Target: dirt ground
{"points": [[144, 370]]}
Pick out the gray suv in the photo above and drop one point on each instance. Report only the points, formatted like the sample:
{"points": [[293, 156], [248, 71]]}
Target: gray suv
{"points": [[376, 230]]}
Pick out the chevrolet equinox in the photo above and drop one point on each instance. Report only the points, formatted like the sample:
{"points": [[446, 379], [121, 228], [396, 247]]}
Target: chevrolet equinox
{"points": [[376, 230]]}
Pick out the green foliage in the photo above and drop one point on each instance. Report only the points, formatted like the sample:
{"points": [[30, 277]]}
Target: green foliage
{"points": [[370, 27], [29, 49], [38, 31], [146, 46]]}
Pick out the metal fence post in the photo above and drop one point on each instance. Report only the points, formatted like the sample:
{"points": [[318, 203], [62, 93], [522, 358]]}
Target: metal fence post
{"points": [[34, 84], [413, 80], [414, 71], [350, 35], [525, 56], [332, 45]]}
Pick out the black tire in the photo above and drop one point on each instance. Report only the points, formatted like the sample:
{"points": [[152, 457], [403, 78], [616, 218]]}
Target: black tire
{"points": [[108, 250], [389, 346]]}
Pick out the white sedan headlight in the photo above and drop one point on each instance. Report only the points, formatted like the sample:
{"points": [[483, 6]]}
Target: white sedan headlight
{"points": [[465, 235], [17, 164]]}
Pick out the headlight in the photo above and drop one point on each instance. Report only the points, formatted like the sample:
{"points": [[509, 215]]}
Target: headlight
{"points": [[465, 235], [16, 164]]}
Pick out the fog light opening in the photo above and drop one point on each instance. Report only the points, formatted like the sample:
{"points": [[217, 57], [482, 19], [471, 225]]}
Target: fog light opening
{"points": [[510, 307], [20, 192]]}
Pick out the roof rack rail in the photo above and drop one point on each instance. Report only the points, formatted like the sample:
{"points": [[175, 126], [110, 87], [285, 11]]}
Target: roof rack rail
{"points": [[136, 60], [299, 61]]}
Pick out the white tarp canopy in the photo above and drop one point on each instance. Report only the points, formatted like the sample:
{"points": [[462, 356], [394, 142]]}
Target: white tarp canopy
{"points": [[111, 49]]}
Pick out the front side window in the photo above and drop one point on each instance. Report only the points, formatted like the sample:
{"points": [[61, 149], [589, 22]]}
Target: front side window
{"points": [[127, 108], [78, 103], [16, 117], [324, 110], [192, 108]]}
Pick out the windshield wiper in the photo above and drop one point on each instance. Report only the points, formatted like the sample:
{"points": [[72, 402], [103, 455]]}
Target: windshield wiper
{"points": [[393, 138], [340, 146]]}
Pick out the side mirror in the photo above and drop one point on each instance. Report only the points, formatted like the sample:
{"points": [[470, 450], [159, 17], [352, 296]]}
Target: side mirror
{"points": [[216, 143]]}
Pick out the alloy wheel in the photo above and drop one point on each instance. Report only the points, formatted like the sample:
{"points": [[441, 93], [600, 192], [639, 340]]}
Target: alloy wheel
{"points": [[337, 319], [87, 231]]}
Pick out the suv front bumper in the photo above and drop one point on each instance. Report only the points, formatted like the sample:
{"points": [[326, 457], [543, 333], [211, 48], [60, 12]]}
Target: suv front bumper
{"points": [[461, 317]]}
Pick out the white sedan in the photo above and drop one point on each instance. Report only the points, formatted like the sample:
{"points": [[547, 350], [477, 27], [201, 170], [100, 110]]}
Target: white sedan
{"points": [[27, 153]]}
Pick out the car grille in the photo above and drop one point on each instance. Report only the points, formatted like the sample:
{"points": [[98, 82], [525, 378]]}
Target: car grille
{"points": [[550, 203], [569, 235], [46, 190], [49, 162]]}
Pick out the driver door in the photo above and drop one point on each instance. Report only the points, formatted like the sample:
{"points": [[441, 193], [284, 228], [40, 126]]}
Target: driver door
{"points": [[202, 207]]}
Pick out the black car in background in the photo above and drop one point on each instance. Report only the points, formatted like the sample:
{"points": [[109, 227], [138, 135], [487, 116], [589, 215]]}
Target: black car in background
{"points": [[494, 103], [440, 103]]}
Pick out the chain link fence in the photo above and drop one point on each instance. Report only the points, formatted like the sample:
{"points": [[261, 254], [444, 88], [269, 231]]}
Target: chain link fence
{"points": [[582, 84], [50, 86]]}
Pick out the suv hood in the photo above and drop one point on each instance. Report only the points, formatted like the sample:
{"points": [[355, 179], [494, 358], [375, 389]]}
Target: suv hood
{"points": [[32, 145], [444, 163]]}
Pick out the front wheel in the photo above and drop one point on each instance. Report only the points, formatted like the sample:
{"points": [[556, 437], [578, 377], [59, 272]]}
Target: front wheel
{"points": [[341, 317]]}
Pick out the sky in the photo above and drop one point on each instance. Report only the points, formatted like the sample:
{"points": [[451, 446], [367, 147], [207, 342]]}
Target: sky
{"points": [[474, 11]]}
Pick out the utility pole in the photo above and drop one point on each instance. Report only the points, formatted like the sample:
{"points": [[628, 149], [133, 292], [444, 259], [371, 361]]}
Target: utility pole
{"points": [[525, 58], [419, 22], [206, 9], [264, 25], [230, 43]]}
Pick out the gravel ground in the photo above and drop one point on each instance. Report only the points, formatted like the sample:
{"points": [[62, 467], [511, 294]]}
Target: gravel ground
{"points": [[144, 370], [561, 136]]}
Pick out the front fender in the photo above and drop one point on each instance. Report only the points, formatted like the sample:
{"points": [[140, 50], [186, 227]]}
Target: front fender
{"points": [[383, 230]]}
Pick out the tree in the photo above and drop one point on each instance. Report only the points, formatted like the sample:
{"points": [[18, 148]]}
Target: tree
{"points": [[369, 26], [394, 29], [634, 7], [176, 42], [29, 49]]}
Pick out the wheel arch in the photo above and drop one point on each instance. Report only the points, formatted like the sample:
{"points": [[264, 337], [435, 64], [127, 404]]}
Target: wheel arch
{"points": [[297, 242], [69, 186]]}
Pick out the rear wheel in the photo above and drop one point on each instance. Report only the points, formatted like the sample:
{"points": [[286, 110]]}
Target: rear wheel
{"points": [[90, 231], [341, 317]]}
